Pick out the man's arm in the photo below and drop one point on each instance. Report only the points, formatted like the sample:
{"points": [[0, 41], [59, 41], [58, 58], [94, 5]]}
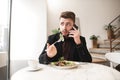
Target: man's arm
{"points": [[43, 58], [83, 51]]}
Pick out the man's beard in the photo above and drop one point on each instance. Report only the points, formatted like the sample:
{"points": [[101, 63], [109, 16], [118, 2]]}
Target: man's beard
{"points": [[65, 33]]}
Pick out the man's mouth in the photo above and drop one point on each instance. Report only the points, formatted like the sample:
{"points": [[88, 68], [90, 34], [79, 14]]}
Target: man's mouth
{"points": [[65, 33]]}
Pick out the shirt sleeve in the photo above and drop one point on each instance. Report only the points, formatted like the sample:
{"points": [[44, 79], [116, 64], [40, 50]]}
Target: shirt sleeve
{"points": [[43, 58], [83, 52]]}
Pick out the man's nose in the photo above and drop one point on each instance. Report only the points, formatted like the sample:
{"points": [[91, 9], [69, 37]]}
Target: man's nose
{"points": [[64, 26]]}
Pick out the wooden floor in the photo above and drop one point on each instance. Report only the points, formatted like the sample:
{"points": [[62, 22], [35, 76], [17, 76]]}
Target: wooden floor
{"points": [[100, 59], [3, 73]]}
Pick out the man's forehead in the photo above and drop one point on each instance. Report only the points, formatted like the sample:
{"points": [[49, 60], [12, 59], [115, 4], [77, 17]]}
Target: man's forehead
{"points": [[66, 20]]}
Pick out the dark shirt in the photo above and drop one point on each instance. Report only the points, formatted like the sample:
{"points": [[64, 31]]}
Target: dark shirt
{"points": [[76, 52]]}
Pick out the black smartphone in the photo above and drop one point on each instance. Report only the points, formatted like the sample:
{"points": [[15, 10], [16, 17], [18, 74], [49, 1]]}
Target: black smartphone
{"points": [[75, 26]]}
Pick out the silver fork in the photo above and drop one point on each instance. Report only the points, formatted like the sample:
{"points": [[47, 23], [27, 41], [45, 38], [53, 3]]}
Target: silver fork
{"points": [[57, 41], [60, 39]]}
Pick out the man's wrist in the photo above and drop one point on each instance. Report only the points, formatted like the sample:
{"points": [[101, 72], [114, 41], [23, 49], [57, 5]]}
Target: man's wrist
{"points": [[78, 42]]}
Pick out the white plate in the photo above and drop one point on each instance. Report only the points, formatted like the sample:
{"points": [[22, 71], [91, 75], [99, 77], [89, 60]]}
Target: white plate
{"points": [[32, 69], [76, 64]]}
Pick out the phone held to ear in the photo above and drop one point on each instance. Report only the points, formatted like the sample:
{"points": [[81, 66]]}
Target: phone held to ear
{"points": [[73, 29], [75, 26]]}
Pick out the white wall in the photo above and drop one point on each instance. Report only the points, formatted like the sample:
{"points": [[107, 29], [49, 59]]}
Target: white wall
{"points": [[4, 23], [3, 59], [28, 30], [92, 15], [4, 12]]}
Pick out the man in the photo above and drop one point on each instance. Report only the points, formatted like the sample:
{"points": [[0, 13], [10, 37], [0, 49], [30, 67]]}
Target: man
{"points": [[72, 47]]}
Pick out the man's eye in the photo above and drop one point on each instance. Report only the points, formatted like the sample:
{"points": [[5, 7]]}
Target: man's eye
{"points": [[62, 24], [68, 24]]}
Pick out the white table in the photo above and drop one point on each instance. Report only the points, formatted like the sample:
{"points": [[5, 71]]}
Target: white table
{"points": [[88, 71], [113, 57]]}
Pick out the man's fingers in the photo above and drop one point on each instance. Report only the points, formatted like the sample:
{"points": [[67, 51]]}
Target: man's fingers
{"points": [[51, 51], [71, 32], [70, 36], [74, 28], [49, 47]]}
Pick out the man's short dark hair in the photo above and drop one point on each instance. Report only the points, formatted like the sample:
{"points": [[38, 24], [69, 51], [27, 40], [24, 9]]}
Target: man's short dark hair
{"points": [[68, 14]]}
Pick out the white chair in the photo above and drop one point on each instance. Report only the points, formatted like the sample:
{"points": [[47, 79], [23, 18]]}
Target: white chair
{"points": [[113, 57]]}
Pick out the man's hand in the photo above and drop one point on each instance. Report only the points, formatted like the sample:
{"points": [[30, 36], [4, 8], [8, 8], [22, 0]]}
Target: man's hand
{"points": [[51, 50], [75, 34]]}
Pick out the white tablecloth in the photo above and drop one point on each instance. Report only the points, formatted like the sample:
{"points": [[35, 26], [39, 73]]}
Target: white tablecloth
{"points": [[87, 71]]}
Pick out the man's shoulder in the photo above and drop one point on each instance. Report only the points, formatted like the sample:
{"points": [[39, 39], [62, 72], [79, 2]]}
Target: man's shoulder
{"points": [[52, 38], [53, 35]]}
